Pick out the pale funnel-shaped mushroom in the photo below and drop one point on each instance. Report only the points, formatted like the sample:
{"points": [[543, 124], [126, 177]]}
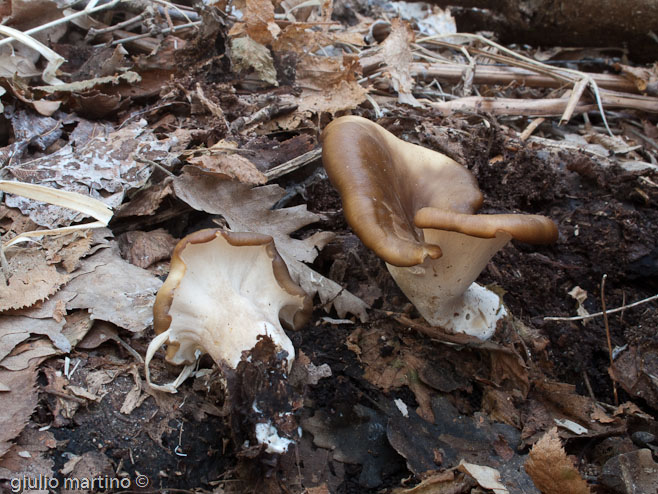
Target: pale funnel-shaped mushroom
{"points": [[415, 208], [224, 291]]}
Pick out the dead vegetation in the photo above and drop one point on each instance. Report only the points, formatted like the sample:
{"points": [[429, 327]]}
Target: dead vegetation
{"points": [[126, 126]]}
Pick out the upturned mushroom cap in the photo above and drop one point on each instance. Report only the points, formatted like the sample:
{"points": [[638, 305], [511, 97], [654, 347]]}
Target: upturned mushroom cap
{"points": [[392, 189], [223, 291], [415, 208]]}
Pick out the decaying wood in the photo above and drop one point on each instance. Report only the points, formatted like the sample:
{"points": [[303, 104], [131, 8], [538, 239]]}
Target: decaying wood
{"points": [[599, 23], [553, 107], [483, 74]]}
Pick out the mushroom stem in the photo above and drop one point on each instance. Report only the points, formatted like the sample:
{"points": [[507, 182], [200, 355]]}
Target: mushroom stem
{"points": [[443, 289], [153, 347]]}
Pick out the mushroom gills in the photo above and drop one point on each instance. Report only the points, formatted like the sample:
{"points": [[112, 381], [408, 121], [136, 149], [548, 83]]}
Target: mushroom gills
{"points": [[444, 289]]}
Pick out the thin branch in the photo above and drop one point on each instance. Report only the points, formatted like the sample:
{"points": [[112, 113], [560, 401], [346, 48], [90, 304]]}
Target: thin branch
{"points": [[598, 314], [607, 335], [63, 20]]}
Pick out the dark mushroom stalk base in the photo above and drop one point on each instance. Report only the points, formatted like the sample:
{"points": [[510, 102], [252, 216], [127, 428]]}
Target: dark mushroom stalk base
{"points": [[416, 209]]}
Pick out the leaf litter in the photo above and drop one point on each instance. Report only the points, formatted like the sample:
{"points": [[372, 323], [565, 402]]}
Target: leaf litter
{"points": [[223, 139]]}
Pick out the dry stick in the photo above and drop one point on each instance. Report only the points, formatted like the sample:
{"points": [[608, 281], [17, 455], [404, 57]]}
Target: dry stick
{"points": [[161, 31], [65, 19], [597, 314], [532, 126], [519, 60], [540, 107], [588, 385], [93, 33], [491, 74], [293, 164], [607, 334]]}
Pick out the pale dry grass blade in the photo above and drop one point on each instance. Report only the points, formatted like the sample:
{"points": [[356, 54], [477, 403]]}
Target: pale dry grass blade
{"points": [[63, 198]]}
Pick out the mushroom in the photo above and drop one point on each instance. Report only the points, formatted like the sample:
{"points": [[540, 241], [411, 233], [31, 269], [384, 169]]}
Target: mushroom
{"points": [[415, 208], [225, 290]]}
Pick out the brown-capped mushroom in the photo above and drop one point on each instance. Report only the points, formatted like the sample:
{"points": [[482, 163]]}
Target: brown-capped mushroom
{"points": [[415, 208], [224, 291]]}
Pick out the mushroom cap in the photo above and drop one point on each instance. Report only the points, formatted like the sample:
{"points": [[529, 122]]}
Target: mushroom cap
{"points": [[292, 303], [392, 189], [529, 228]]}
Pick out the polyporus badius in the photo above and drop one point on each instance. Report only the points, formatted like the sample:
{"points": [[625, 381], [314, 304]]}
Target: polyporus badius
{"points": [[415, 208], [224, 291]]}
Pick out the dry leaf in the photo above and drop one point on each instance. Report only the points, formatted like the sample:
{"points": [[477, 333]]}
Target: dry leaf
{"points": [[343, 96], [134, 398], [600, 415], [29, 354], [396, 56], [391, 367], [91, 465], [635, 370], [486, 477], [146, 201], [321, 73], [31, 278], [259, 18], [550, 468], [249, 210], [113, 290], [247, 54], [145, 248], [330, 84], [298, 38], [580, 296], [16, 329], [230, 166], [104, 168], [17, 405], [29, 457]]}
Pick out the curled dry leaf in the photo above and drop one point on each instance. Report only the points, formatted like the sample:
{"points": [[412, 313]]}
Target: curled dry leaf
{"points": [[230, 166], [486, 477], [395, 57], [550, 468], [29, 354], [16, 329]]}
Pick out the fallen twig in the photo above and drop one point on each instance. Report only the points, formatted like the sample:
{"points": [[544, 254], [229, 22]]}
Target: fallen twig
{"points": [[542, 107], [514, 58], [263, 115], [607, 335], [147, 35], [65, 19], [598, 314], [491, 74], [293, 164]]}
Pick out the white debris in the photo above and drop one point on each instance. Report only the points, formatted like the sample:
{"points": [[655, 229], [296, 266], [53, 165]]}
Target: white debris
{"points": [[267, 434]]}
